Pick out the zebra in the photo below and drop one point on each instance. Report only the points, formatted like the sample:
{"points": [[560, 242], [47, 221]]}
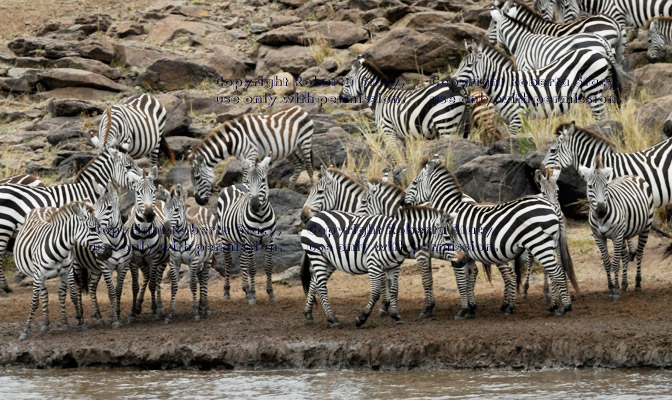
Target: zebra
{"points": [[246, 223], [136, 127], [373, 245], [286, 133], [17, 200], [107, 212], [579, 76], [334, 191], [22, 179], [192, 234], [628, 13], [545, 8], [149, 245], [534, 51], [44, 250], [602, 25], [495, 234], [427, 112], [660, 34], [576, 147], [620, 208], [484, 117]]}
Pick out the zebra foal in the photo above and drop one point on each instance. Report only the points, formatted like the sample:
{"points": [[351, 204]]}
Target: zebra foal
{"points": [[44, 250], [660, 34], [620, 209]]}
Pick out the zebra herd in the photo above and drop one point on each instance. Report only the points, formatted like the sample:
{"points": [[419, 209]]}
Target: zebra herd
{"points": [[75, 231]]}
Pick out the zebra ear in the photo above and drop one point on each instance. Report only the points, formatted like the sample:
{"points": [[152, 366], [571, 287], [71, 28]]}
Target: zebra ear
{"points": [[495, 14], [96, 142], [555, 174], [608, 172], [154, 173], [100, 189], [538, 178], [265, 162], [163, 192], [584, 171]]}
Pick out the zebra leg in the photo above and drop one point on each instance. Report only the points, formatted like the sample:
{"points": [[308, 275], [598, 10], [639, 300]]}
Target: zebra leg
{"points": [[107, 275], [227, 273], [160, 268], [425, 266], [641, 242], [385, 307], [154, 155], [547, 296], [617, 260], [306, 147], [393, 287], [391, 146], [472, 274], [146, 280], [75, 296], [121, 274], [193, 286], [248, 267], [33, 307], [62, 295], [509, 289], [268, 268], [203, 274], [135, 308], [526, 285], [297, 164], [460, 270], [515, 124], [625, 259], [602, 245], [546, 256], [632, 252], [375, 280], [174, 274], [312, 290], [321, 273], [3, 283], [93, 287]]}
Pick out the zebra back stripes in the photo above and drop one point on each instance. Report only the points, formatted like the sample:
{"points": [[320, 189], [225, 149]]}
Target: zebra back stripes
{"points": [[575, 77], [246, 223], [628, 13], [136, 127], [44, 249], [619, 209], [660, 34], [333, 191], [545, 8], [22, 179], [575, 146], [286, 133]]}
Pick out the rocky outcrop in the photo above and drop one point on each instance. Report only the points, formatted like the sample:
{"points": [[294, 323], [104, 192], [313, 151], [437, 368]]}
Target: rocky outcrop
{"points": [[335, 33], [496, 178], [172, 74]]}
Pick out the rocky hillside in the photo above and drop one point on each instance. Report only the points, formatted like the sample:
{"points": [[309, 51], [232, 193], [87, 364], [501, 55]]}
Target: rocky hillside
{"points": [[208, 62]]}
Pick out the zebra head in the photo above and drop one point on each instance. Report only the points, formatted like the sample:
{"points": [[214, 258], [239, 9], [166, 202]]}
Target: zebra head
{"points": [[321, 196], [202, 177], [256, 181], [145, 196], [547, 179], [560, 154], [111, 132], [125, 172], [107, 210], [470, 66], [491, 33], [443, 236], [175, 210], [356, 80], [656, 41], [419, 191], [545, 9], [382, 198], [568, 10], [597, 179], [88, 232]]}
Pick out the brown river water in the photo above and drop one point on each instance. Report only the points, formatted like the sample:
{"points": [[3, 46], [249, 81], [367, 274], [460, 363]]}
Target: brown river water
{"points": [[96, 383]]}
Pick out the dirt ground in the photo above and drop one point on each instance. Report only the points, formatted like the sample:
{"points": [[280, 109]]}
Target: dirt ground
{"points": [[633, 332]]}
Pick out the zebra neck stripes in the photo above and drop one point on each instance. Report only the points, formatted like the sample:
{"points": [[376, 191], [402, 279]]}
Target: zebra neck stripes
{"points": [[660, 34]]}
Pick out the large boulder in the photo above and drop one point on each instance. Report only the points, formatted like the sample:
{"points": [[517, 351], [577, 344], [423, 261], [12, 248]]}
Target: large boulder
{"points": [[228, 62], [459, 151], [333, 146], [287, 206], [429, 50], [426, 19], [141, 55], [172, 74], [174, 25], [292, 59], [178, 119], [71, 107], [182, 145], [335, 33], [496, 178], [653, 114], [657, 78], [87, 64], [55, 48], [79, 93], [519, 145], [70, 77]]}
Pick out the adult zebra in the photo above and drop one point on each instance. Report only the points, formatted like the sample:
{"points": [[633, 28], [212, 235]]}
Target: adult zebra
{"points": [[428, 112], [534, 51], [620, 209], [602, 25], [136, 126], [44, 249], [628, 13], [373, 245], [149, 244], [22, 179], [286, 133], [246, 223], [575, 77], [193, 239], [17, 200], [495, 234], [660, 34]]}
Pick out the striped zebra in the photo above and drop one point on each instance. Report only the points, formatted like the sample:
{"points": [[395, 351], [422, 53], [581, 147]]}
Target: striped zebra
{"points": [[373, 245], [136, 127], [495, 234], [484, 117], [107, 212], [44, 250], [22, 179], [579, 76], [427, 112], [620, 208], [334, 191], [602, 25], [534, 51], [246, 223], [17, 200], [628, 13], [576, 147], [286, 133], [149, 245], [545, 8], [660, 35], [193, 239]]}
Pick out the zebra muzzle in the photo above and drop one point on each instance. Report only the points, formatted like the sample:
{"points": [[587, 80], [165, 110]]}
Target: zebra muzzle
{"points": [[305, 214], [255, 203], [105, 253], [667, 128], [149, 213], [200, 201], [601, 210]]}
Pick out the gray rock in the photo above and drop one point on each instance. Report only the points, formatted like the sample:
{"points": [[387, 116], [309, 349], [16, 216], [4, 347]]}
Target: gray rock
{"points": [[496, 178], [70, 77], [518, 145], [69, 166], [653, 114], [258, 28], [233, 114], [95, 66], [459, 151], [56, 48], [292, 59], [332, 147], [72, 107], [182, 145], [232, 175], [336, 33], [178, 119], [172, 74], [180, 175], [288, 275], [287, 206]]}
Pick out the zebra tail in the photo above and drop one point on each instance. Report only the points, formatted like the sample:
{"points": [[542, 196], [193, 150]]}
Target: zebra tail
{"points": [[518, 269], [165, 148], [566, 258], [487, 268], [616, 71], [305, 273], [82, 279]]}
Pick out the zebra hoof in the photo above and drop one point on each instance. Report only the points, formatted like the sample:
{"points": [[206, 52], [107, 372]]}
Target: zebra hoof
{"points": [[44, 328], [197, 318], [131, 320], [382, 313], [82, 328], [551, 310], [616, 297], [23, 336], [102, 322], [336, 325], [359, 321], [227, 297], [508, 311], [155, 317], [252, 301], [504, 308], [638, 289], [272, 298], [116, 325], [167, 321], [524, 295]]}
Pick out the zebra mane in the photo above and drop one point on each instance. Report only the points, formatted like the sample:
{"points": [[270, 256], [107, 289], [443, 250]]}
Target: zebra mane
{"points": [[517, 21], [343, 175], [647, 25], [394, 187], [109, 125], [374, 68], [500, 53], [529, 9], [85, 167], [586, 132], [452, 176], [66, 211]]}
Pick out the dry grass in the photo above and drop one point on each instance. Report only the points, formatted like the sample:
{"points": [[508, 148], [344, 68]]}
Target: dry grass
{"points": [[10, 160], [319, 48]]}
